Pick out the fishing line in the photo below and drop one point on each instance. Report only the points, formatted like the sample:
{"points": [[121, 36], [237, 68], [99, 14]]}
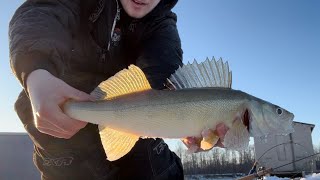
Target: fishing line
{"points": [[296, 161], [272, 169], [289, 142]]}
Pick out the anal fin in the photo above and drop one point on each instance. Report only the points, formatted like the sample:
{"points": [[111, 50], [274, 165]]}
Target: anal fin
{"points": [[116, 143]]}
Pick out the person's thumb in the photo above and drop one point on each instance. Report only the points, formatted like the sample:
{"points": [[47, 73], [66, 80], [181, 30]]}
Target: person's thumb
{"points": [[79, 95]]}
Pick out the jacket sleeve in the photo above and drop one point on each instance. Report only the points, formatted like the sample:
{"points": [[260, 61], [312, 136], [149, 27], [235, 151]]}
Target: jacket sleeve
{"points": [[161, 53], [40, 36]]}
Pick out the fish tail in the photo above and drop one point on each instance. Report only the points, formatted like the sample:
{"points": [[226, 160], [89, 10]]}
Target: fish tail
{"points": [[118, 143]]}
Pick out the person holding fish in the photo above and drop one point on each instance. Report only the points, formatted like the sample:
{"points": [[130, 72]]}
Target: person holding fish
{"points": [[62, 50]]}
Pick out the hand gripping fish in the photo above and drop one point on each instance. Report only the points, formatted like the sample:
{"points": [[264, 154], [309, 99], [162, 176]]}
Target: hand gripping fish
{"points": [[200, 98]]}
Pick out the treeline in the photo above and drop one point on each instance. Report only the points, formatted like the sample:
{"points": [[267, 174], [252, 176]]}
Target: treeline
{"points": [[219, 161], [216, 161]]}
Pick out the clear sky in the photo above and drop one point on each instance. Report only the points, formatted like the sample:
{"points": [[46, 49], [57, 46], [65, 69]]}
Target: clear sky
{"points": [[273, 48]]}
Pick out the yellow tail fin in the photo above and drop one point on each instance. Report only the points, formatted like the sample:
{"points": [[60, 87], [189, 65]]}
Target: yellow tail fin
{"points": [[117, 143]]}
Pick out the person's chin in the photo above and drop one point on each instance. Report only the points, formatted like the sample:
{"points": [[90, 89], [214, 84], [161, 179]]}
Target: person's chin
{"points": [[136, 15]]}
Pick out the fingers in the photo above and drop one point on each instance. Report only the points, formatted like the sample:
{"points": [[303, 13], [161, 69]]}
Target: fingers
{"points": [[221, 130], [57, 124], [47, 93], [54, 133], [209, 139], [47, 127], [192, 143], [67, 123]]}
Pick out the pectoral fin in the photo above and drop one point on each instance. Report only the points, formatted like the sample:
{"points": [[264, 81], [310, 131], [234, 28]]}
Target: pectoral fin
{"points": [[116, 143], [237, 137]]}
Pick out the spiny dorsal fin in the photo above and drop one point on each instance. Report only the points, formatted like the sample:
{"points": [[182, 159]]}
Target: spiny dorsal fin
{"points": [[116, 144], [210, 73], [124, 82]]}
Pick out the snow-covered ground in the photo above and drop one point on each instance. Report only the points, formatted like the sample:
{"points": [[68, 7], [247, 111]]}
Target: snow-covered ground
{"points": [[213, 176], [199, 177], [313, 176], [208, 177]]}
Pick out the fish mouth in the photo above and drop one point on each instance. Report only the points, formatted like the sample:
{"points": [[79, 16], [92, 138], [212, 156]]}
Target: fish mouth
{"points": [[246, 119]]}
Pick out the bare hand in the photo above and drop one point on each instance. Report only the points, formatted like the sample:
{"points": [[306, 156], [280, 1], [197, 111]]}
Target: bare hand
{"points": [[47, 93], [208, 139]]}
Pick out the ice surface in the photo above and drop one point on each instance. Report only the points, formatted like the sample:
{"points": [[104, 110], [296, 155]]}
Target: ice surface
{"points": [[204, 177], [274, 178], [313, 176]]}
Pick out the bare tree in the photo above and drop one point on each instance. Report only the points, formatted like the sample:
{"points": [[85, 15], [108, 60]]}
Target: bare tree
{"points": [[216, 161]]}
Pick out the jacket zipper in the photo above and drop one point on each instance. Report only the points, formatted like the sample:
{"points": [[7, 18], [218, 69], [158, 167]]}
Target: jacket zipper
{"points": [[104, 51], [103, 56], [116, 18]]}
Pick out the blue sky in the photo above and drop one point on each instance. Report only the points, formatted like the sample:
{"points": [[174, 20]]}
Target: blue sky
{"points": [[273, 48]]}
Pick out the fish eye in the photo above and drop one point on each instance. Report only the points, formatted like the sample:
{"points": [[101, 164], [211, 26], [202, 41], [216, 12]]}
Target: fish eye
{"points": [[279, 111]]}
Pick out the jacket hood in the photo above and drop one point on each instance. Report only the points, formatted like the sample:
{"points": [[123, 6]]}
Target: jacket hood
{"points": [[169, 3]]}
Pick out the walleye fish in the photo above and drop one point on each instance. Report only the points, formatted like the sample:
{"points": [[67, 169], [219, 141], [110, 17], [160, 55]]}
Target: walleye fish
{"points": [[200, 98]]}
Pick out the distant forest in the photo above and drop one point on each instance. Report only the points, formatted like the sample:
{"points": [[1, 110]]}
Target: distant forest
{"points": [[219, 160]]}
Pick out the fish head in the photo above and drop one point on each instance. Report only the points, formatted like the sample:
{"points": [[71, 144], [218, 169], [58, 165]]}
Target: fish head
{"points": [[266, 118]]}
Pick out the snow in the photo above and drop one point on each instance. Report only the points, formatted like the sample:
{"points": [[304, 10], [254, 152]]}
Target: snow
{"points": [[313, 176], [274, 178], [214, 176]]}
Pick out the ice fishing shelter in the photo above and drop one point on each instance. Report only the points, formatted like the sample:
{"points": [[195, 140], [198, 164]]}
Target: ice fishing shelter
{"points": [[277, 150], [16, 157]]}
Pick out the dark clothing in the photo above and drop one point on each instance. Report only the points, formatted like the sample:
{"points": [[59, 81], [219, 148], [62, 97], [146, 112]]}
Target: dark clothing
{"points": [[83, 43], [253, 170], [58, 37], [147, 160]]}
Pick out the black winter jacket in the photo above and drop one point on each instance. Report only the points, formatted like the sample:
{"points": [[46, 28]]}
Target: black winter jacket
{"points": [[59, 37], [83, 43]]}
